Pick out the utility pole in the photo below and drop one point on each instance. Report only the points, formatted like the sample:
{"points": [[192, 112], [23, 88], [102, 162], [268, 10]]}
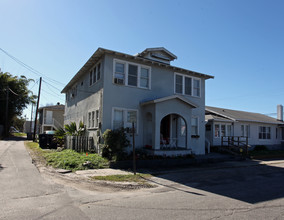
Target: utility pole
{"points": [[7, 109], [39, 88], [31, 118]]}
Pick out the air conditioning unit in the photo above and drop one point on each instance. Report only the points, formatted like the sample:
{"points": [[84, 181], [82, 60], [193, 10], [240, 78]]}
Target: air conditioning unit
{"points": [[118, 81]]}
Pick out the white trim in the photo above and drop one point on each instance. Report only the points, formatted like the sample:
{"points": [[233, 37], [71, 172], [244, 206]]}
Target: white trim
{"points": [[183, 85], [126, 66], [89, 125]]}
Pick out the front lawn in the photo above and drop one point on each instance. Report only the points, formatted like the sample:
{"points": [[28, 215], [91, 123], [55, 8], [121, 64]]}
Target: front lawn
{"points": [[67, 159]]}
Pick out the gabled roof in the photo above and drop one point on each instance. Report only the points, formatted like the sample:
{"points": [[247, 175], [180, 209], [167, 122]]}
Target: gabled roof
{"points": [[101, 51], [170, 56], [167, 98], [235, 115]]}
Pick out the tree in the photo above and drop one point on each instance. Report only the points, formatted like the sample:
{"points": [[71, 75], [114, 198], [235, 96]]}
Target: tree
{"points": [[14, 92]]}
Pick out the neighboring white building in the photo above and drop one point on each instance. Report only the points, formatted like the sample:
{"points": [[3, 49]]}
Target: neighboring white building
{"points": [[51, 117], [167, 103], [260, 129]]}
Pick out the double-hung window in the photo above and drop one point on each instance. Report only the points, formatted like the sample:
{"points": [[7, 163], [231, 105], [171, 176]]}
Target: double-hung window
{"points": [[93, 119], [144, 77], [245, 131], [119, 74], [179, 84], [186, 85], [217, 130], [194, 126], [131, 74], [264, 132], [95, 74], [123, 118]]}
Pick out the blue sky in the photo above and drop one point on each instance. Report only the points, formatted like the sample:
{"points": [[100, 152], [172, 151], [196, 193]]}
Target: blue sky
{"points": [[240, 42]]}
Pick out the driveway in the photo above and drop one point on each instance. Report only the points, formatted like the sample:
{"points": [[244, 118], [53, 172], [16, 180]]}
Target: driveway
{"points": [[25, 194]]}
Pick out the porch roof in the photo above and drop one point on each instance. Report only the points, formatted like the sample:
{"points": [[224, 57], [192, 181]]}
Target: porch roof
{"points": [[167, 98]]}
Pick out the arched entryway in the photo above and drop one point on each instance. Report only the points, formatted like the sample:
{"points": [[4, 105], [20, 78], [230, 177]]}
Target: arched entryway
{"points": [[173, 132]]}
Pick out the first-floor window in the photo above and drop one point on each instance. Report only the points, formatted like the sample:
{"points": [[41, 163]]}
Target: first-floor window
{"points": [[89, 119], [229, 130], [217, 130], [223, 130], [93, 119], [245, 130], [264, 132], [194, 126], [118, 119], [123, 118]]}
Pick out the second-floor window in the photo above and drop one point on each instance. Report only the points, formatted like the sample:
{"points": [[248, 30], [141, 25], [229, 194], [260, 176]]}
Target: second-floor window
{"points": [[95, 74], [187, 85], [131, 74]]}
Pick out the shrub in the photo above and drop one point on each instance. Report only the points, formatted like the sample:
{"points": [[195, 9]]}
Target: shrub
{"points": [[114, 143], [260, 148]]}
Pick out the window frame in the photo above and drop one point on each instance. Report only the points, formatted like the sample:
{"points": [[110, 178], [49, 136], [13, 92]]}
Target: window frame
{"points": [[93, 122], [93, 74], [126, 74], [183, 85], [126, 124], [197, 125], [266, 133]]}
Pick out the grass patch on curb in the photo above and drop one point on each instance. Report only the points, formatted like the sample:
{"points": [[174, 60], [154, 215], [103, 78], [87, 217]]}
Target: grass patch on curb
{"points": [[67, 159], [139, 178], [19, 134]]}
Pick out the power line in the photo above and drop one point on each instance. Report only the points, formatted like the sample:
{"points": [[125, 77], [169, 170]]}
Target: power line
{"points": [[30, 68]]}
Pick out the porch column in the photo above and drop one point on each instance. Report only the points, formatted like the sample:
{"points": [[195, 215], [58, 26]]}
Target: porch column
{"points": [[157, 132]]}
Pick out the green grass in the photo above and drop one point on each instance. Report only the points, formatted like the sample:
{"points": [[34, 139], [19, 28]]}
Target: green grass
{"points": [[139, 178], [67, 159], [19, 134]]}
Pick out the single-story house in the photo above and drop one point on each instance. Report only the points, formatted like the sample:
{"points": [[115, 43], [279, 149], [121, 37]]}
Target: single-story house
{"points": [[259, 129]]}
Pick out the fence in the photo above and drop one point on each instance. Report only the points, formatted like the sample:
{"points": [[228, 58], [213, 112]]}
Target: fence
{"points": [[79, 143]]}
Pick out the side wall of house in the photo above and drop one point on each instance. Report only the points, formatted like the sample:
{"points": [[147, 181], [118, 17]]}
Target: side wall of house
{"points": [[88, 98]]}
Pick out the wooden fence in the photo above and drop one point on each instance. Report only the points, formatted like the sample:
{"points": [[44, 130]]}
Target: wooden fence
{"points": [[80, 143]]}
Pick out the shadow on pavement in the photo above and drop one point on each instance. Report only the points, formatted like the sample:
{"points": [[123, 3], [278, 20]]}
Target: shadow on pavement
{"points": [[14, 138], [247, 181]]}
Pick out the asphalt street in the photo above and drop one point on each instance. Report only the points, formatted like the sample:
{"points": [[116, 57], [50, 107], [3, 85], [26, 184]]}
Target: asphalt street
{"points": [[230, 190]]}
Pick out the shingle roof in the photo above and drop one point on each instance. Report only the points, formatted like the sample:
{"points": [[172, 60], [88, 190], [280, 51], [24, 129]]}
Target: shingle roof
{"points": [[242, 115], [101, 51]]}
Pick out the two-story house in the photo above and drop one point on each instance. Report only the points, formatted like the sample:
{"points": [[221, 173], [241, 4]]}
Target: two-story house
{"points": [[51, 117], [166, 103]]}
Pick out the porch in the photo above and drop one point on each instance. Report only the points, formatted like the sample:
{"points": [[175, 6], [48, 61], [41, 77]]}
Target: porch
{"points": [[166, 126]]}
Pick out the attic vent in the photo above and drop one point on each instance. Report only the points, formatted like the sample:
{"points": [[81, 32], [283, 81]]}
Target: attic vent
{"points": [[160, 56]]}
